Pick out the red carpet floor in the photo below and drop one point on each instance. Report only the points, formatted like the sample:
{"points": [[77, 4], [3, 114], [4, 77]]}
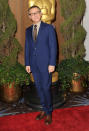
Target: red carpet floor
{"points": [[68, 119]]}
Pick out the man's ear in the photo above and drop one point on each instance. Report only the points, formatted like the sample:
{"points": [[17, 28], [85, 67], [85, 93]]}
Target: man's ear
{"points": [[41, 14]]}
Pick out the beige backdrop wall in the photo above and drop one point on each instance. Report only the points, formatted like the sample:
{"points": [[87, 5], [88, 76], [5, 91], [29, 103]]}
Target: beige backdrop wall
{"points": [[19, 8]]}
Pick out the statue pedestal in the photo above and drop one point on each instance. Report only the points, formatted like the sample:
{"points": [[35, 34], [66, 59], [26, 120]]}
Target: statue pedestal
{"points": [[33, 101]]}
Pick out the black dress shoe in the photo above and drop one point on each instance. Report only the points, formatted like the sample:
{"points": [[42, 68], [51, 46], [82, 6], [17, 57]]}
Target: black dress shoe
{"points": [[41, 115], [48, 119]]}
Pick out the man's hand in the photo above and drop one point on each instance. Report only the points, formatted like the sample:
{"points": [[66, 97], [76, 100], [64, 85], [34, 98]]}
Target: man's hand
{"points": [[28, 69], [51, 68]]}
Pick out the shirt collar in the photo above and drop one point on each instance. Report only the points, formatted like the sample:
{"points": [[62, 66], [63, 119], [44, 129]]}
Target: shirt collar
{"points": [[38, 24]]}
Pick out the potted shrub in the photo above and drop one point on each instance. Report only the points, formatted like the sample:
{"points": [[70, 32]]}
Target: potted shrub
{"points": [[11, 72], [73, 69], [11, 81]]}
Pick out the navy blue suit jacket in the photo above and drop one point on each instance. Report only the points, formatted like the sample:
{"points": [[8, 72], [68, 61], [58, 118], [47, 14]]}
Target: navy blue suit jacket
{"points": [[44, 50]]}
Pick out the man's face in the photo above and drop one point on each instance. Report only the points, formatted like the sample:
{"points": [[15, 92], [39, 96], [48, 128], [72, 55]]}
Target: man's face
{"points": [[35, 15]]}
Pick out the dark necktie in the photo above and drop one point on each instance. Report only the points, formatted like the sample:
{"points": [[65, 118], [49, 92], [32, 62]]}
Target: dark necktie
{"points": [[35, 32]]}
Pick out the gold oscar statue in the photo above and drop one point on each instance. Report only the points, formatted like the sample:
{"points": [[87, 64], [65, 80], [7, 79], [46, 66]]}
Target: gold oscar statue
{"points": [[47, 8]]}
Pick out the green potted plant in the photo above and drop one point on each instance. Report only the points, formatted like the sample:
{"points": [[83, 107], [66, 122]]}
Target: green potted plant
{"points": [[73, 70], [67, 69], [11, 72], [11, 81], [15, 73]]}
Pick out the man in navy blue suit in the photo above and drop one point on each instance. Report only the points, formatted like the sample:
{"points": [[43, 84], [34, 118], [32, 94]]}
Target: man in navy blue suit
{"points": [[40, 59]]}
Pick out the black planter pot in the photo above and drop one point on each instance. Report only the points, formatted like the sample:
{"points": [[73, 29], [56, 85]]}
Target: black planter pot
{"points": [[32, 100]]}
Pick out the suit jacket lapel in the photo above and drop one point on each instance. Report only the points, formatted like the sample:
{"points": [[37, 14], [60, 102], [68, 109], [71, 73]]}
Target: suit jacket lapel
{"points": [[40, 29], [31, 33]]}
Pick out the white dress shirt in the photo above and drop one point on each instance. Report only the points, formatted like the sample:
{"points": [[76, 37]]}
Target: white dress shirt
{"points": [[38, 26]]}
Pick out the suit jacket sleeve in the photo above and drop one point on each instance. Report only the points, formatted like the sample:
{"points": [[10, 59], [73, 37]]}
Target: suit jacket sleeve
{"points": [[27, 53], [52, 45]]}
